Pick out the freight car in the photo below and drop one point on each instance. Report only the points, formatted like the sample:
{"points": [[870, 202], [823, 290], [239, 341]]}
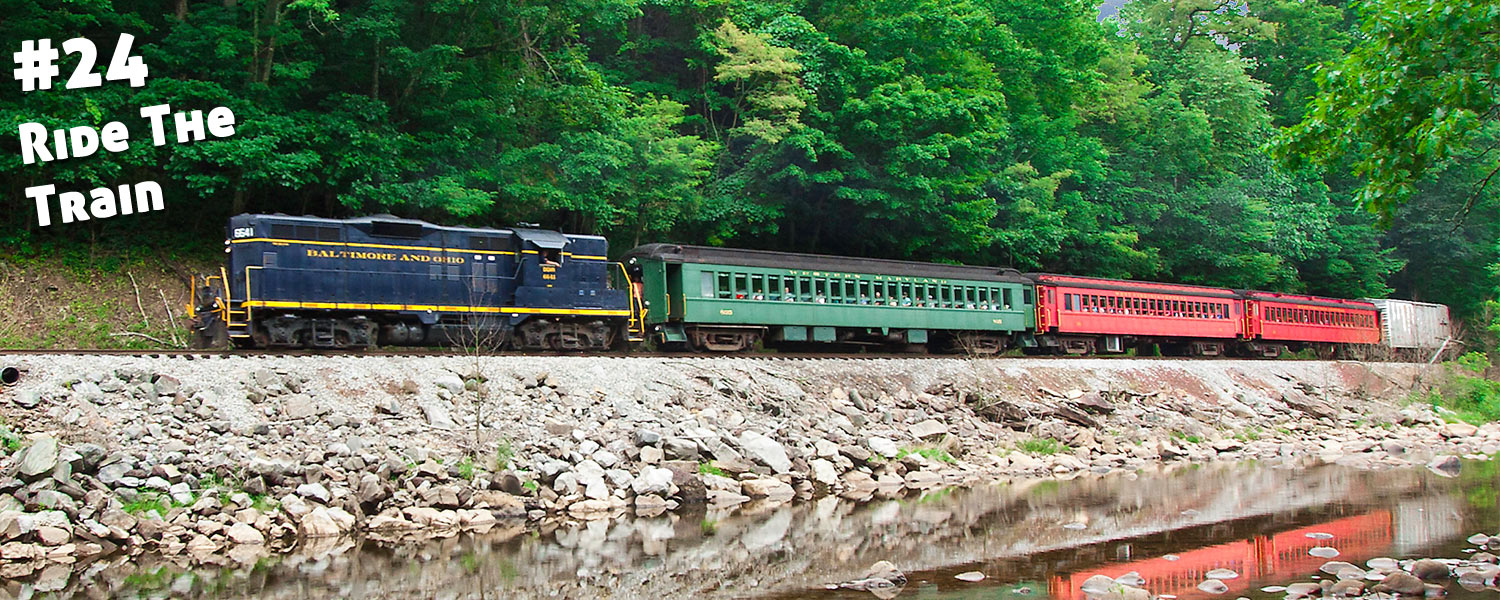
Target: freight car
{"points": [[725, 300], [309, 282], [1414, 330]]}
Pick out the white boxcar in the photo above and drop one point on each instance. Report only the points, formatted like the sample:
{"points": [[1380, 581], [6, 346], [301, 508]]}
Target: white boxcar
{"points": [[1413, 325]]}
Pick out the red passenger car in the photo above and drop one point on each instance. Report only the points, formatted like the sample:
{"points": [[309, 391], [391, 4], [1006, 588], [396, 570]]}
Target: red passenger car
{"points": [[1323, 324], [1085, 315]]}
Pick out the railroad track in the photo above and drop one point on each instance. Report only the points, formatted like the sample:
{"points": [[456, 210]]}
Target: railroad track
{"points": [[457, 353]]}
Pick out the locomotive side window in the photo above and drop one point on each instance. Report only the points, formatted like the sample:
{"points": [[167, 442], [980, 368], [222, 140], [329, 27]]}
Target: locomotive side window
{"points": [[283, 231], [398, 230], [723, 289]]}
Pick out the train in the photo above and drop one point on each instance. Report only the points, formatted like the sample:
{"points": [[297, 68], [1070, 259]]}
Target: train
{"points": [[319, 283]]}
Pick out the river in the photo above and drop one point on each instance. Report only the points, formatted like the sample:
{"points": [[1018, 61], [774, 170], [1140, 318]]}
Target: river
{"points": [[1030, 539]]}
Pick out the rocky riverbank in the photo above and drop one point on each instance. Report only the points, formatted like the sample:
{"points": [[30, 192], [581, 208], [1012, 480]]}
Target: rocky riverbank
{"points": [[229, 459]]}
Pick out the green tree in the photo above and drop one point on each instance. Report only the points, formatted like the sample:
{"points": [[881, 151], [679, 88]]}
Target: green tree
{"points": [[1417, 85]]}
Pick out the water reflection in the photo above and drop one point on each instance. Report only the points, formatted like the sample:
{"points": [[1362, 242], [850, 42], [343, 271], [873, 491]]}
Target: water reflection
{"points": [[1031, 539]]}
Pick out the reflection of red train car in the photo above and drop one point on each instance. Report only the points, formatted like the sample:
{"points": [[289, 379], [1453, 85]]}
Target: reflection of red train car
{"points": [[1089, 315], [1282, 556]]}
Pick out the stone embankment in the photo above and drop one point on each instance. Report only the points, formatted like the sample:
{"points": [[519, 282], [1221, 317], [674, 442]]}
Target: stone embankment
{"points": [[221, 459]]}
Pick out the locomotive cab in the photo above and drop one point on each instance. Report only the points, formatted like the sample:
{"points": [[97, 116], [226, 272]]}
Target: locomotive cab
{"points": [[562, 290]]}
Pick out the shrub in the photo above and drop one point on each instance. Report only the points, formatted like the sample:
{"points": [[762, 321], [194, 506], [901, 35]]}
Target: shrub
{"points": [[1042, 446]]}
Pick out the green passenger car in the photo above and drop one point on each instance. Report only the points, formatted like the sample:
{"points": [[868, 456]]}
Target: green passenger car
{"points": [[722, 299]]}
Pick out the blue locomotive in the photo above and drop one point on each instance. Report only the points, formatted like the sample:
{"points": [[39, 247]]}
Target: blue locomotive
{"points": [[308, 282]]}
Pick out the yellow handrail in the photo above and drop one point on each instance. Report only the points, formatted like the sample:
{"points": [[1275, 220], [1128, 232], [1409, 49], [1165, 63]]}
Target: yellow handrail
{"points": [[637, 323]]}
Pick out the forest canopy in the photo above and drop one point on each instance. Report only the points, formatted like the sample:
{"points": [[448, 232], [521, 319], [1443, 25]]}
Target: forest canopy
{"points": [[1263, 144]]}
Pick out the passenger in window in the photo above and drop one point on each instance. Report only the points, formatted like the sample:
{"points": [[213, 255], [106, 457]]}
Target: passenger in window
{"points": [[905, 301], [786, 295], [863, 299], [820, 299]]}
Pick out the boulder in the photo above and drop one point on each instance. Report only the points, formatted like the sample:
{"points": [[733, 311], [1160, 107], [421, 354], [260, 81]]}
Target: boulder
{"points": [[300, 407], [823, 473], [1402, 583], [326, 522], [928, 428], [766, 487], [1430, 570], [646, 437], [591, 509], [1445, 465], [1348, 588], [765, 450], [883, 446], [427, 516], [241, 533], [652, 480], [166, 385], [53, 536], [652, 455], [649, 502], [27, 398], [315, 491], [40, 458], [450, 382], [680, 449], [507, 505], [437, 414], [880, 576]]}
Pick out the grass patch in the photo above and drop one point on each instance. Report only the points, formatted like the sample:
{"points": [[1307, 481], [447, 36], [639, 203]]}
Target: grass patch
{"points": [[8, 439], [1191, 439], [466, 468], [928, 453], [1042, 446], [708, 526], [503, 454], [148, 502], [709, 468], [263, 503], [1248, 435], [1472, 398], [531, 486]]}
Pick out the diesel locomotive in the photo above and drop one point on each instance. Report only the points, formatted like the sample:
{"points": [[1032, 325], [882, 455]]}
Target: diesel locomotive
{"points": [[307, 282]]}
